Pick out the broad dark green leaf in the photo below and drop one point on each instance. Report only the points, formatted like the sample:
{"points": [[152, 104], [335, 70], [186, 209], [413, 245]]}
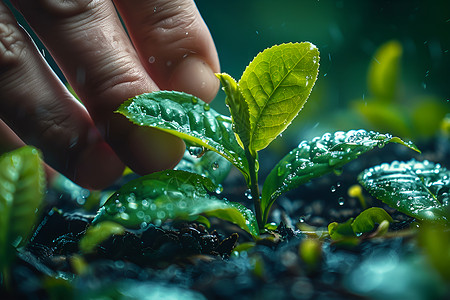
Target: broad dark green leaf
{"points": [[98, 233], [318, 157], [240, 114], [210, 164], [22, 185], [167, 195], [189, 118], [418, 189], [276, 85]]}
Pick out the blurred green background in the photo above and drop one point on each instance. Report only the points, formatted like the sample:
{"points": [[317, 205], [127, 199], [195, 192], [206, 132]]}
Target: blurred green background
{"points": [[348, 33]]}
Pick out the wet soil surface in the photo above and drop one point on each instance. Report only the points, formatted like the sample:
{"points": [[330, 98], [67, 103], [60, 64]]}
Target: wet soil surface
{"points": [[189, 261]]}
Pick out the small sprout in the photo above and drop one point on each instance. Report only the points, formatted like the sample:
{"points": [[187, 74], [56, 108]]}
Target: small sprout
{"points": [[259, 269], [355, 191], [445, 125], [310, 250], [98, 233], [353, 229], [79, 265], [382, 229]]}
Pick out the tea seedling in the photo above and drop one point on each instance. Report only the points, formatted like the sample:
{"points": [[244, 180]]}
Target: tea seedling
{"points": [[269, 95]]}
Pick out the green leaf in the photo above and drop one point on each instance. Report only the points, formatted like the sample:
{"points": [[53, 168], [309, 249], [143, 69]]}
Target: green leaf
{"points": [[354, 227], [427, 116], [211, 165], [418, 189], [317, 157], [171, 194], [189, 118], [367, 219], [276, 85], [240, 114], [384, 116], [383, 71], [22, 185], [341, 231], [98, 233], [434, 239]]}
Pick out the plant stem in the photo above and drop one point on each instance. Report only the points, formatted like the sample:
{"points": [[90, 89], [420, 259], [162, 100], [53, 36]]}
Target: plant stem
{"points": [[254, 188]]}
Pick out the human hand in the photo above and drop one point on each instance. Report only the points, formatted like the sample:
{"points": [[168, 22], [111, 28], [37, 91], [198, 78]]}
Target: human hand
{"points": [[170, 49]]}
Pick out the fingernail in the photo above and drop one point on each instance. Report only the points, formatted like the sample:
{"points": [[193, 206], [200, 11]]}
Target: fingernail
{"points": [[194, 76]]}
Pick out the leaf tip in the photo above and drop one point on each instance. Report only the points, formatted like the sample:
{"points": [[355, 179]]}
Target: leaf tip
{"points": [[408, 144]]}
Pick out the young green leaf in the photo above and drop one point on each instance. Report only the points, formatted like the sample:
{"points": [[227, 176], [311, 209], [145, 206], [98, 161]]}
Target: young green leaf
{"points": [[170, 194], [363, 223], [318, 157], [383, 71], [189, 118], [240, 114], [98, 233], [22, 184], [276, 85], [342, 231], [418, 189], [367, 219]]}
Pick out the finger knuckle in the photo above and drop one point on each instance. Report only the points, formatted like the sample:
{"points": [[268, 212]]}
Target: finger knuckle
{"points": [[59, 8], [171, 21], [12, 45]]}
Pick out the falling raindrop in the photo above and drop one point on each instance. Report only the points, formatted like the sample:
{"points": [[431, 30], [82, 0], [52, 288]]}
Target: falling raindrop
{"points": [[248, 194], [341, 201]]}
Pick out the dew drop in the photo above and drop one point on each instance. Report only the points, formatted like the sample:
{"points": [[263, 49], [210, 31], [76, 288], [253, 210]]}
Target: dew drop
{"points": [[333, 189], [341, 201], [196, 151], [219, 189], [206, 107], [248, 194], [151, 59], [215, 165]]}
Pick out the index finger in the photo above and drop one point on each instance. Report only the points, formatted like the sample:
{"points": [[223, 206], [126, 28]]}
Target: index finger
{"points": [[93, 51]]}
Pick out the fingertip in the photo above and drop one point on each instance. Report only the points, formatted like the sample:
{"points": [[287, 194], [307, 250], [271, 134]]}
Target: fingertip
{"points": [[98, 167], [143, 149], [194, 76], [153, 150]]}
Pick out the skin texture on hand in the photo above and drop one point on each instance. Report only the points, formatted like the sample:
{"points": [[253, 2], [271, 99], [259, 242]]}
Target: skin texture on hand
{"points": [[168, 46]]}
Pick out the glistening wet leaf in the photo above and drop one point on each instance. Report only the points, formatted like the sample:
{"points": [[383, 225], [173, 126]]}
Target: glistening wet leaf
{"points": [[320, 156], [418, 189], [171, 194], [189, 118], [22, 185], [276, 85]]}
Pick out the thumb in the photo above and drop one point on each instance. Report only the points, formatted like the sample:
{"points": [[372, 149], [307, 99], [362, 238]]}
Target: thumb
{"points": [[174, 44]]}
